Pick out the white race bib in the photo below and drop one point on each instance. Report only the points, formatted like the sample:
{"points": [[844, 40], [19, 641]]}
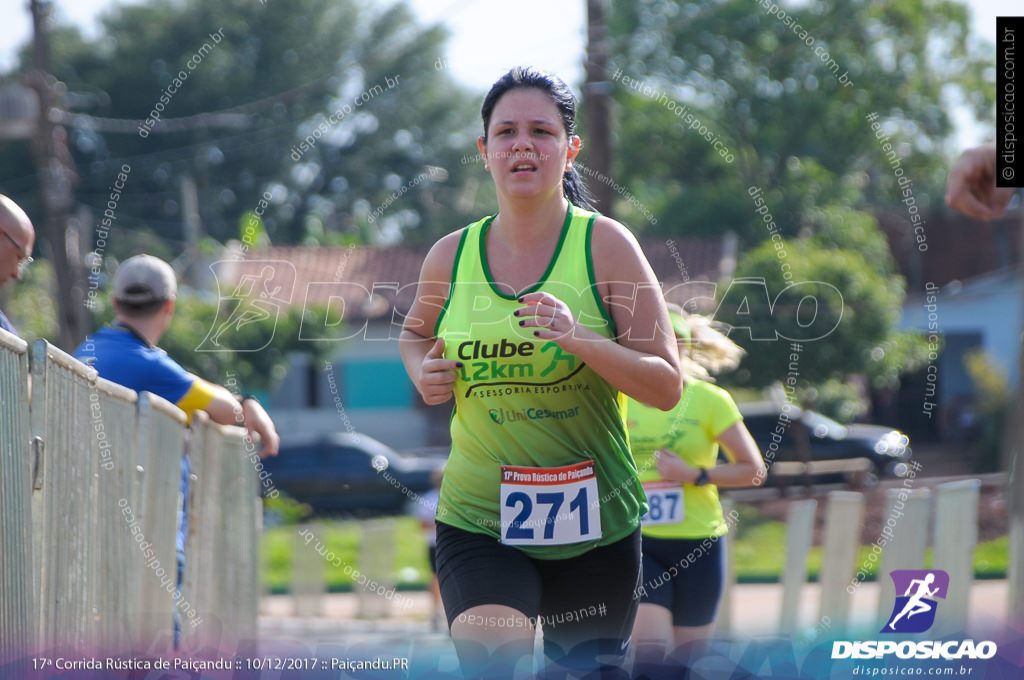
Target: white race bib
{"points": [[549, 506], [666, 503]]}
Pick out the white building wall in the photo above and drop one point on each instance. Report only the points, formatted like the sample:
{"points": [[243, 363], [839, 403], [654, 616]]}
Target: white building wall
{"points": [[992, 306]]}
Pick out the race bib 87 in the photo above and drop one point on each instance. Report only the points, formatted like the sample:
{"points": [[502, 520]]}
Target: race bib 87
{"points": [[549, 506], [665, 500]]}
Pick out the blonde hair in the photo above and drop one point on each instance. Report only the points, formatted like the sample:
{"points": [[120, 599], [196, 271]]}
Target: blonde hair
{"points": [[707, 351]]}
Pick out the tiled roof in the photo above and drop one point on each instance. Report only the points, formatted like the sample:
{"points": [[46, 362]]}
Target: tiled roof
{"points": [[677, 262], [370, 281], [956, 246]]}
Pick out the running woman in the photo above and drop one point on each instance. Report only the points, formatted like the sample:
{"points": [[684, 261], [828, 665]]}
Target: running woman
{"points": [[684, 531], [539, 320]]}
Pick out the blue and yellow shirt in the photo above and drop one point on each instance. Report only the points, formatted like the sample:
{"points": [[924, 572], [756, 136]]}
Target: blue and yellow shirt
{"points": [[121, 355]]}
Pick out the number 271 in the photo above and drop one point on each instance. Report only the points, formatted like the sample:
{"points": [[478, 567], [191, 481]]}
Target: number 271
{"points": [[555, 500]]}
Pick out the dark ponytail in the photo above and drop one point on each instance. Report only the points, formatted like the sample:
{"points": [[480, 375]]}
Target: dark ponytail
{"points": [[525, 77], [576, 191]]}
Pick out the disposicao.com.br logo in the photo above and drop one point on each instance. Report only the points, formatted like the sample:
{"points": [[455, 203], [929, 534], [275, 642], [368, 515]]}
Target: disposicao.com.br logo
{"points": [[918, 587], [914, 612]]}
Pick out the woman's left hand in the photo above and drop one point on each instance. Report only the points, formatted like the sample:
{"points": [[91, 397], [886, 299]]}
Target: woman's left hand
{"points": [[673, 468], [551, 317]]}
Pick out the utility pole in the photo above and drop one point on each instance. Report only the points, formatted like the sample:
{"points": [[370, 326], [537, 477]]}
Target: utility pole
{"points": [[191, 226], [56, 173], [596, 101]]}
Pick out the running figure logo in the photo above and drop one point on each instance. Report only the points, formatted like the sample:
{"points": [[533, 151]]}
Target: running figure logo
{"points": [[914, 611], [256, 299]]}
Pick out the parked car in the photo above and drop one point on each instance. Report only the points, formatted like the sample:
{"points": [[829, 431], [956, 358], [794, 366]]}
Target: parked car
{"points": [[887, 449], [347, 473]]}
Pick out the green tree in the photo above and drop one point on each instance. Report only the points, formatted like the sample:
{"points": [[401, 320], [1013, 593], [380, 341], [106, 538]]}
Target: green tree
{"points": [[401, 164], [390, 167], [789, 97], [829, 315], [280, 70], [992, 410], [29, 303], [724, 103]]}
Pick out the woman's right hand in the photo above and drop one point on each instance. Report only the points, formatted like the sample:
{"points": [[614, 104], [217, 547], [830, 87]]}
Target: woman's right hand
{"points": [[673, 468], [436, 380]]}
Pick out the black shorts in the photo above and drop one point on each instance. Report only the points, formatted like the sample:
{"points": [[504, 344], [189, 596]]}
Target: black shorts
{"points": [[432, 558], [588, 598], [686, 576]]}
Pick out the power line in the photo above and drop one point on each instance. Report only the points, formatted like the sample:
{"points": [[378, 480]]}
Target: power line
{"points": [[200, 121], [233, 117]]}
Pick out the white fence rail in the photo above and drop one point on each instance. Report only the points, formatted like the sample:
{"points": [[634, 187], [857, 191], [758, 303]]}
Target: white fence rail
{"points": [[155, 495], [222, 581], [90, 478], [955, 508], [17, 605]]}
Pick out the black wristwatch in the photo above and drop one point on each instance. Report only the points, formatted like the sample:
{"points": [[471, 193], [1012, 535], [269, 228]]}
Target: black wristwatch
{"points": [[702, 478]]}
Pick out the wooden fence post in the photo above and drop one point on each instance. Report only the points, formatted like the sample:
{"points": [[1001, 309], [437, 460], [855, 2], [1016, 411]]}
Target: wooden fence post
{"points": [[842, 537], [956, 534], [907, 515], [799, 535]]}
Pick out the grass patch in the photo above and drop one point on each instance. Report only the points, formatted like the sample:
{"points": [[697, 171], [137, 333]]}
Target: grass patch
{"points": [[759, 548], [992, 558], [411, 568], [758, 553]]}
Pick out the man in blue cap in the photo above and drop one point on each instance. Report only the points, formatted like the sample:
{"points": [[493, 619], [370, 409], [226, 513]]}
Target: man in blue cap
{"points": [[126, 352]]}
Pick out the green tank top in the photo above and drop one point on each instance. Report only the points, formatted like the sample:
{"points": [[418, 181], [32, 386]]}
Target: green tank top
{"points": [[524, 401]]}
